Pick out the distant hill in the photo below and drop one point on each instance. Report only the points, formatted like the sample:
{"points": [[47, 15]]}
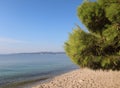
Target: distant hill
{"points": [[35, 53], [43, 53]]}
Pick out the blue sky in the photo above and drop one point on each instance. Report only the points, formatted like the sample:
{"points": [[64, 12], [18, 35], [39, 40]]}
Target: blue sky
{"points": [[36, 25]]}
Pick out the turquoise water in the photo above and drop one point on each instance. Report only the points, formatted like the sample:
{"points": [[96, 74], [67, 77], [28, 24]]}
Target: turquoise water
{"points": [[19, 67]]}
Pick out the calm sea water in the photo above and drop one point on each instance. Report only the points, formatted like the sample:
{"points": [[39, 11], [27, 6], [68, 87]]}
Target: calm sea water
{"points": [[19, 67]]}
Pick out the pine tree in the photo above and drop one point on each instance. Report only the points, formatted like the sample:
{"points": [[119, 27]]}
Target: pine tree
{"points": [[100, 47]]}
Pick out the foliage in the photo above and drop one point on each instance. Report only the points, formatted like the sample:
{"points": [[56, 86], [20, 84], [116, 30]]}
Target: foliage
{"points": [[113, 13], [92, 15], [100, 47]]}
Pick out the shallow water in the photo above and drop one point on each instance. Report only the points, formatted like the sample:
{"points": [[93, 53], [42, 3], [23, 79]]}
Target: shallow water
{"points": [[21, 67]]}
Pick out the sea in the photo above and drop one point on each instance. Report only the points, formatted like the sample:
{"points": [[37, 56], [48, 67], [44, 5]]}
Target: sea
{"points": [[21, 69]]}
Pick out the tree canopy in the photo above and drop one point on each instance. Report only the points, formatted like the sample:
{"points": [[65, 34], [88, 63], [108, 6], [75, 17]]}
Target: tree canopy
{"points": [[99, 48]]}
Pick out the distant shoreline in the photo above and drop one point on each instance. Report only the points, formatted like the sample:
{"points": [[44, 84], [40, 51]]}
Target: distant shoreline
{"points": [[34, 53]]}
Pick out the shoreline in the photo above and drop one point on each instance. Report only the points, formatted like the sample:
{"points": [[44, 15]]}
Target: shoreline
{"points": [[83, 78], [23, 84], [48, 79], [42, 78]]}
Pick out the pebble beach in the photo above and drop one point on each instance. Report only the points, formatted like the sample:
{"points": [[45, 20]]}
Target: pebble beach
{"points": [[84, 78]]}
